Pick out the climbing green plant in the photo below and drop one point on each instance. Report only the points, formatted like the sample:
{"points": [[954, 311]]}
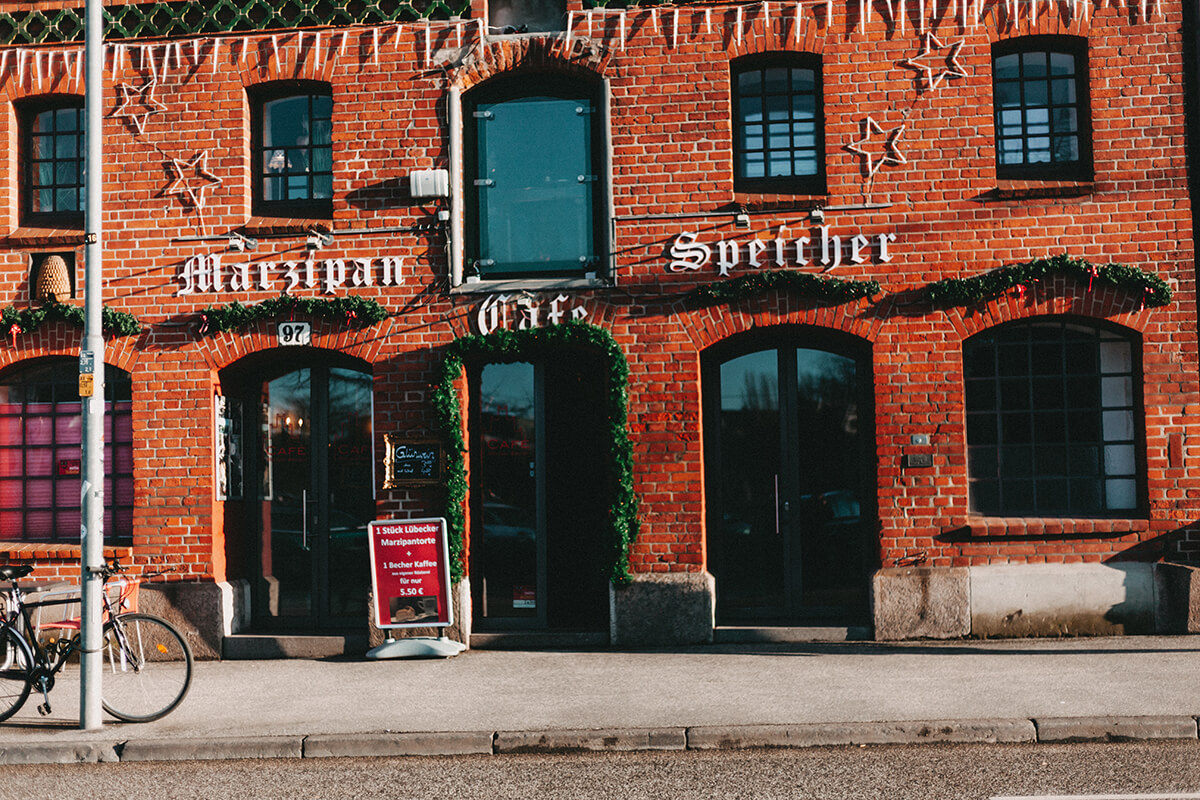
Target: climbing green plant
{"points": [[1152, 289], [505, 345]]}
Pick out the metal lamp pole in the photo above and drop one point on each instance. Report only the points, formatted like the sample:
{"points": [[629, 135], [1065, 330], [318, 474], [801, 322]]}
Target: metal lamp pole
{"points": [[91, 379]]}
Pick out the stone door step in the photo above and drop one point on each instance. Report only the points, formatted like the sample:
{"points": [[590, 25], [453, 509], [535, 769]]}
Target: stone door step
{"points": [[745, 634], [249, 646]]}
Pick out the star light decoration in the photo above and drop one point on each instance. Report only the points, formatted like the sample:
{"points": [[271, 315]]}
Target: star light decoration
{"points": [[891, 153], [192, 178], [142, 96], [944, 61]]}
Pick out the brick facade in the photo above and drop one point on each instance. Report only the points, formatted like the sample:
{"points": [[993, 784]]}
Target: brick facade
{"points": [[672, 154]]}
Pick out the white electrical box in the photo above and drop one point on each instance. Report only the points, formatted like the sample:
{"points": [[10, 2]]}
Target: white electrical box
{"points": [[429, 183]]}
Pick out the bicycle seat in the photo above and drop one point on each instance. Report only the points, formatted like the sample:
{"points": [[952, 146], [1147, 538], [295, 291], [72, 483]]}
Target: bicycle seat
{"points": [[14, 571]]}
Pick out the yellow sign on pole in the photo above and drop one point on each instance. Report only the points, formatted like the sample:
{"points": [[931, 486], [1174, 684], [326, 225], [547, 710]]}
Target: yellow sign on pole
{"points": [[87, 385]]}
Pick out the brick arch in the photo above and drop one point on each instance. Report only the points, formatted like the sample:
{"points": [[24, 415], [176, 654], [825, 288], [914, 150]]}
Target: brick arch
{"points": [[583, 57], [288, 58], [1056, 296], [224, 349], [778, 33], [1051, 21], [60, 339], [56, 80], [711, 325]]}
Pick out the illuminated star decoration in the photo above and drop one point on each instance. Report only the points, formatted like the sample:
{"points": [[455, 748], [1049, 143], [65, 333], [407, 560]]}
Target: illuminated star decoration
{"points": [[891, 154], [142, 96], [191, 179], [946, 66]]}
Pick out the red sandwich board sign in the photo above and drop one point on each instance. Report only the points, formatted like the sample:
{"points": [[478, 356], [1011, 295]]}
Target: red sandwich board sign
{"points": [[410, 570]]}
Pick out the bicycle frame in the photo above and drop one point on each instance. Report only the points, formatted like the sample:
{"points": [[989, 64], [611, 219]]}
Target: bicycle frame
{"points": [[47, 661]]}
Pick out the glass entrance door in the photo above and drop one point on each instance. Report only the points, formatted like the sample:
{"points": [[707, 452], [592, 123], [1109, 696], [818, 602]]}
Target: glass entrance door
{"points": [[316, 498], [786, 466], [539, 492]]}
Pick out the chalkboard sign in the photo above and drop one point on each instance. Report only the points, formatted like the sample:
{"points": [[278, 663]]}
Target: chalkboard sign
{"points": [[411, 462]]}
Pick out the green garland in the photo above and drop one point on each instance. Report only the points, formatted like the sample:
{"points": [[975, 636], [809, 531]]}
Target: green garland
{"points": [[357, 311], [969, 291], [508, 345], [832, 290], [27, 320]]}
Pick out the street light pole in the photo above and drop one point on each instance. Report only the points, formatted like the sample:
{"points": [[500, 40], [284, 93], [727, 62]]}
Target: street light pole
{"points": [[91, 379]]}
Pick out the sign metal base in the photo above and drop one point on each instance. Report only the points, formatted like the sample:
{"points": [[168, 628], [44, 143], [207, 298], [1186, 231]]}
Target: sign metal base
{"points": [[417, 647]]}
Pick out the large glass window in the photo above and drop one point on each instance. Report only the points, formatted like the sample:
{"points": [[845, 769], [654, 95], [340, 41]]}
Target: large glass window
{"points": [[41, 454], [1043, 129], [1053, 411], [294, 150], [54, 152], [778, 125], [534, 178]]}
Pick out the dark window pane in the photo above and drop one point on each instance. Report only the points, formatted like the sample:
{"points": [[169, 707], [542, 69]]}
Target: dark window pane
{"points": [[1072, 450]]}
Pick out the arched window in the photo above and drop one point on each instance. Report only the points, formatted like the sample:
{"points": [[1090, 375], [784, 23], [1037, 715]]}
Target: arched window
{"points": [[1053, 413], [41, 453], [778, 124], [535, 178], [1043, 123]]}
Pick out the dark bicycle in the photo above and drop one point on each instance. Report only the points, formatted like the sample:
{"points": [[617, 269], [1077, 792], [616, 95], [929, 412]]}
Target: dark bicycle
{"points": [[147, 662]]}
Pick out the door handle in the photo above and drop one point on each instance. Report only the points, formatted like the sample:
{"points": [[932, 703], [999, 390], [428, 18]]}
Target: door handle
{"points": [[304, 518]]}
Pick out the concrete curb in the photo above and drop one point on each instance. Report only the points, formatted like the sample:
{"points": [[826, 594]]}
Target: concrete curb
{"points": [[727, 737], [434, 743], [824, 735], [1114, 729], [217, 749]]}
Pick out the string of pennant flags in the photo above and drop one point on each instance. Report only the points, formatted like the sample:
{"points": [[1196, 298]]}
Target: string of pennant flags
{"points": [[616, 26]]}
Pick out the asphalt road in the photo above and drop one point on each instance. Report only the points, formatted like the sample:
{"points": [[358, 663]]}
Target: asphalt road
{"points": [[924, 772]]}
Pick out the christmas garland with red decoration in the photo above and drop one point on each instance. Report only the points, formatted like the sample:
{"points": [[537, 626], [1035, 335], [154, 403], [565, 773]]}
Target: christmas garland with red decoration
{"points": [[357, 312]]}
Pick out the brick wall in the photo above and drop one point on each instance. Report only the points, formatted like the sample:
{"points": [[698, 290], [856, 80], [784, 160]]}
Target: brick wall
{"points": [[938, 193]]}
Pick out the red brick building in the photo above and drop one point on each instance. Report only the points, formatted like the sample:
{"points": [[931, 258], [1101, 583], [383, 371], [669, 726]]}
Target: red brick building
{"points": [[761, 320]]}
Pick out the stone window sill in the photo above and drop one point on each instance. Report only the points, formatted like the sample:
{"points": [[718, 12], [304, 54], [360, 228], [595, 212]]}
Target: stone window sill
{"points": [[1037, 527], [36, 550]]}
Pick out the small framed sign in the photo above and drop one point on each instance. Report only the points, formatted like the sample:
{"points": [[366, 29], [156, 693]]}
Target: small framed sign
{"points": [[412, 462], [294, 334]]}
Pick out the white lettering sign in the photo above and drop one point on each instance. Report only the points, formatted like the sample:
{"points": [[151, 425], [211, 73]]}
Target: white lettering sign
{"points": [[206, 274], [522, 312], [828, 251]]}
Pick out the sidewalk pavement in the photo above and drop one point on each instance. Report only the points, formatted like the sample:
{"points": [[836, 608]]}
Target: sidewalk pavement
{"points": [[719, 696]]}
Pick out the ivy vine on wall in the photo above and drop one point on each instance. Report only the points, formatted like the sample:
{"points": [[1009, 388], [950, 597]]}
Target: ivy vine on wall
{"points": [[830, 290], [505, 345], [350, 310], [27, 320], [1152, 289]]}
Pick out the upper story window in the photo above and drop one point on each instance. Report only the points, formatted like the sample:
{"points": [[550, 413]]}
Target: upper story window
{"points": [[1052, 412], [41, 453], [527, 16], [535, 178], [778, 124], [1043, 122], [293, 150], [53, 152]]}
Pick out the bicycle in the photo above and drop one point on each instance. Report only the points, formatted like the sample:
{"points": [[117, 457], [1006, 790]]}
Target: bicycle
{"points": [[147, 662]]}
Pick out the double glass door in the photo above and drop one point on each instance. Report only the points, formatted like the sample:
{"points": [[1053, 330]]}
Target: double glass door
{"points": [[787, 499], [315, 498]]}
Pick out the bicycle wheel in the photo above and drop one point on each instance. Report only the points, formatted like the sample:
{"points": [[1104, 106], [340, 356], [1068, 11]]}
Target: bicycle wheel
{"points": [[147, 667], [15, 667]]}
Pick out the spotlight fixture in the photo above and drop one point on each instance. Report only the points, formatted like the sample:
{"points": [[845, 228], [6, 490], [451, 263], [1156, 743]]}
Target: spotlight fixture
{"points": [[241, 243], [318, 239]]}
